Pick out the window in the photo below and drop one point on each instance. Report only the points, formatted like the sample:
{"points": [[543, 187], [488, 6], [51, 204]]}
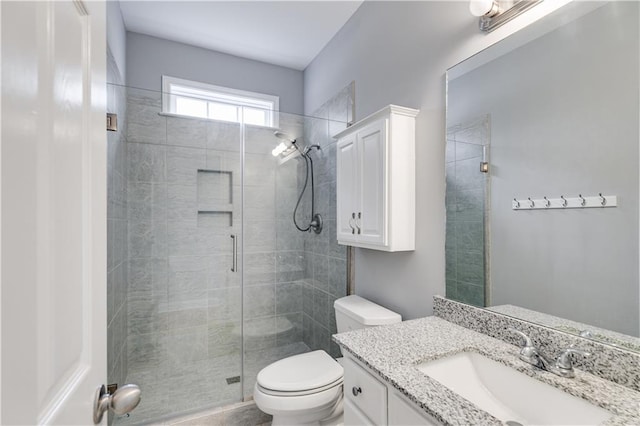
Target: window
{"points": [[203, 100]]}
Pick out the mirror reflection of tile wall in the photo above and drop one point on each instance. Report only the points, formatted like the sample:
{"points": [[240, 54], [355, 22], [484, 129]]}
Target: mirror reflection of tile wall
{"points": [[467, 227]]}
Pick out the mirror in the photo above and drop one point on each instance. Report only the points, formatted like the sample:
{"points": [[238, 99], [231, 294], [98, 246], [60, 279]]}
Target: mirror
{"points": [[553, 110]]}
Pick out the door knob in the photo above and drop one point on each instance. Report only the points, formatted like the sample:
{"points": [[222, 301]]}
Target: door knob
{"points": [[122, 401]]}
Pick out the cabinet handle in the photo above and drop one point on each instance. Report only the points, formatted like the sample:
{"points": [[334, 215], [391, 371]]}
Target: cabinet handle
{"points": [[356, 390], [353, 229], [234, 266], [357, 222]]}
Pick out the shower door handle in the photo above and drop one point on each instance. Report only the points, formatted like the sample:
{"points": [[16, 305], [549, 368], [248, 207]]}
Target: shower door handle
{"points": [[234, 266]]}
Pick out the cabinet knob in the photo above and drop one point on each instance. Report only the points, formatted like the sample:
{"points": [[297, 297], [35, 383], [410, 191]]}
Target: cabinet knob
{"points": [[356, 390]]}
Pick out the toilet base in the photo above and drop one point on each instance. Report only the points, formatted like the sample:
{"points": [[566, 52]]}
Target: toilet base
{"points": [[334, 418]]}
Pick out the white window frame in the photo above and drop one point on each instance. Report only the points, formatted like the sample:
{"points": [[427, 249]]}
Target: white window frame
{"points": [[172, 87]]}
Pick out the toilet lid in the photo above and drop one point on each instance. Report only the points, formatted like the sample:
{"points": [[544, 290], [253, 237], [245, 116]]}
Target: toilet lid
{"points": [[306, 371]]}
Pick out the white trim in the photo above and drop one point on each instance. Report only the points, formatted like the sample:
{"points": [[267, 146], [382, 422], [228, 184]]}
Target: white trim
{"points": [[0, 220], [219, 95]]}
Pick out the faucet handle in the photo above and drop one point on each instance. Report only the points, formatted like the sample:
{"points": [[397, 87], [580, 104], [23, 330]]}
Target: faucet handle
{"points": [[564, 360], [529, 353], [527, 340]]}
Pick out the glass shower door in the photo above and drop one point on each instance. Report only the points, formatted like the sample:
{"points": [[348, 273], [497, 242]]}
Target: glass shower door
{"points": [[184, 204]]}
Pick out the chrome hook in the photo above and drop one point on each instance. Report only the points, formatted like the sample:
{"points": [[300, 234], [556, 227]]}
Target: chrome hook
{"points": [[603, 201], [516, 203], [547, 203], [582, 200], [531, 203], [564, 201]]}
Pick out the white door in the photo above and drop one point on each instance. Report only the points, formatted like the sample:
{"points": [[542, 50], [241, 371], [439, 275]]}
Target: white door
{"points": [[372, 149], [53, 210], [347, 189]]}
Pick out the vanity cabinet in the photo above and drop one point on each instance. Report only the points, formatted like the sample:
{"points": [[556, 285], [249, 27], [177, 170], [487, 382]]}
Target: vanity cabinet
{"points": [[375, 181], [370, 401]]}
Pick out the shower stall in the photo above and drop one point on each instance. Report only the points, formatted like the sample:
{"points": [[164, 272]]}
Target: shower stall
{"points": [[209, 280]]}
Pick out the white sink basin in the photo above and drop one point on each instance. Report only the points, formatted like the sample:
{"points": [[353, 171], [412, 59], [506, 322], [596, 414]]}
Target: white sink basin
{"points": [[510, 395]]}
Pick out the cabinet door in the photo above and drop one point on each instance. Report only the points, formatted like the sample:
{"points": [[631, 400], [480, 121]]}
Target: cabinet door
{"points": [[354, 417], [365, 392], [403, 414], [346, 188], [372, 150]]}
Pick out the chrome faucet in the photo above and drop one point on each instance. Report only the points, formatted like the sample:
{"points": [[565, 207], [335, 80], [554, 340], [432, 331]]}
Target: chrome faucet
{"points": [[563, 366]]}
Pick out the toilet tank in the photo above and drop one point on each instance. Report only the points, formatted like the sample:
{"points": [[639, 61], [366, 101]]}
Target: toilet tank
{"points": [[354, 312]]}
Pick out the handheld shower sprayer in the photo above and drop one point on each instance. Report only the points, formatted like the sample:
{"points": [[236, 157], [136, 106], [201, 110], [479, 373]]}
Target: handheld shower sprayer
{"points": [[316, 220]]}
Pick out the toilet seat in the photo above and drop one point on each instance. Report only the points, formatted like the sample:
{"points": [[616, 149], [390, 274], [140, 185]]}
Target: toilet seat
{"points": [[299, 393], [303, 374], [300, 405]]}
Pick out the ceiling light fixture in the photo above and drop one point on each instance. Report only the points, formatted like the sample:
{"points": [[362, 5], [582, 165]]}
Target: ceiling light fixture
{"points": [[494, 13]]}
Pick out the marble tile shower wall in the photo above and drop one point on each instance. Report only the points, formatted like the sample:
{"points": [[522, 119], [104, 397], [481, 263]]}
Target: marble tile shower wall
{"points": [[467, 190], [117, 265], [325, 272]]}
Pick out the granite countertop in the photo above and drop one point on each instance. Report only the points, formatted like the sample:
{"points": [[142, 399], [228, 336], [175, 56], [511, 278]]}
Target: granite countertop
{"points": [[393, 351]]}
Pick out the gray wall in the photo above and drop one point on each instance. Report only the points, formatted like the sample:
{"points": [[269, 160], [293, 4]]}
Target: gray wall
{"points": [[564, 120], [148, 58], [398, 52]]}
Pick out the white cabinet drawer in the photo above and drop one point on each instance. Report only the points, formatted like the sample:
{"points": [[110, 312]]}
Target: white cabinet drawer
{"points": [[365, 392]]}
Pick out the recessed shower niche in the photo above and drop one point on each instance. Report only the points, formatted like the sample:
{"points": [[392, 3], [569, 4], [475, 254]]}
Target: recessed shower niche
{"points": [[215, 197]]}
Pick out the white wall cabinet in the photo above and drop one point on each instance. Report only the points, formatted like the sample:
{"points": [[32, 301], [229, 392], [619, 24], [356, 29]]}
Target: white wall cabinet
{"points": [[375, 187], [369, 401]]}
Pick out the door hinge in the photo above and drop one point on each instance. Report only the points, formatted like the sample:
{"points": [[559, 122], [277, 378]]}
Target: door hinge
{"points": [[112, 122]]}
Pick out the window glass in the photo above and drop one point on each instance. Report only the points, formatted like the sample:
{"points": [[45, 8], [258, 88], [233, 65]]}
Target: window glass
{"points": [[203, 100], [189, 106]]}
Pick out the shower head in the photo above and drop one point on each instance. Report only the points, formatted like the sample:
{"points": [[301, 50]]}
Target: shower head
{"points": [[281, 135], [284, 148]]}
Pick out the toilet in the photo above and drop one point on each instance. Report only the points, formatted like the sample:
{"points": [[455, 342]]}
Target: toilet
{"points": [[306, 389]]}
